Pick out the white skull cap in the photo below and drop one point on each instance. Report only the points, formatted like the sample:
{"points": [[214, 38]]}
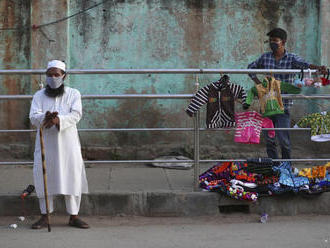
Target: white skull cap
{"points": [[56, 64]]}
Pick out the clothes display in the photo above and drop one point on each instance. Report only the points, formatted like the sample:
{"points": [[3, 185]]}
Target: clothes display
{"points": [[269, 95], [236, 179], [220, 97], [248, 127], [309, 81], [314, 172], [319, 124], [219, 178]]}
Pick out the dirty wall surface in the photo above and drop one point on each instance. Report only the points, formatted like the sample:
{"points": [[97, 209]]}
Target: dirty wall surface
{"points": [[151, 34]]}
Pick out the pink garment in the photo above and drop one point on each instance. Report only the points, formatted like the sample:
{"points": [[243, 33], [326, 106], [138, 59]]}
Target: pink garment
{"points": [[248, 127]]}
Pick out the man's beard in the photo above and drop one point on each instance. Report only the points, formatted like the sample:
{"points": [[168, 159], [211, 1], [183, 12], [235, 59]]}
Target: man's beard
{"points": [[54, 92]]}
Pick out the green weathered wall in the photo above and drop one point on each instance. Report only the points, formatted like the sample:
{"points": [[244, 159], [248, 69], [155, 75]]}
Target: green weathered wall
{"points": [[14, 53], [174, 34], [163, 34]]}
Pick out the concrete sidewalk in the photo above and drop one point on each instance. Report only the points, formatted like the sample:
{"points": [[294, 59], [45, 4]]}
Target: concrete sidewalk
{"points": [[149, 191]]}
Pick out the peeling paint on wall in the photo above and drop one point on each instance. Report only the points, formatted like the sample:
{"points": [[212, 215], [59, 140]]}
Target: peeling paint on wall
{"points": [[14, 54]]}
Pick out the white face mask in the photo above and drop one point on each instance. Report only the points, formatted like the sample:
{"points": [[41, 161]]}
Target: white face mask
{"points": [[54, 82]]}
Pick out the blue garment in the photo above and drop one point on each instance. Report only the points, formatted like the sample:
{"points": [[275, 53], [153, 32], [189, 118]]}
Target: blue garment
{"points": [[288, 61], [288, 179], [283, 136]]}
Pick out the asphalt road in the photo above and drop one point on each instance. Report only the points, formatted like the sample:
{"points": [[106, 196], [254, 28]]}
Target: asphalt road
{"points": [[234, 230]]}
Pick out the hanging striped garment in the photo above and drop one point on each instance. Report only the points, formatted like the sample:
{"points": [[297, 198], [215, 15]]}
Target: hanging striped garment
{"points": [[220, 97]]}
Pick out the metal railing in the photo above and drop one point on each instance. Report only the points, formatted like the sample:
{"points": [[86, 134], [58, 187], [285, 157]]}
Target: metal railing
{"points": [[159, 71], [196, 128]]}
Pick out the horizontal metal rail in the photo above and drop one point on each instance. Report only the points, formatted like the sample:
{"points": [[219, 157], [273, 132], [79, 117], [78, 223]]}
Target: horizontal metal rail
{"points": [[174, 161], [150, 129], [123, 96], [156, 96], [158, 71]]}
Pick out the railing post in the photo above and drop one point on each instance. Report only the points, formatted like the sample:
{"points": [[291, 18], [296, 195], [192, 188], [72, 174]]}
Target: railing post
{"points": [[196, 152]]}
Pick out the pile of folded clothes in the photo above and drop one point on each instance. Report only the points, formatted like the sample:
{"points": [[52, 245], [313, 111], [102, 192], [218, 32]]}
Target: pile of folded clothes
{"points": [[262, 177]]}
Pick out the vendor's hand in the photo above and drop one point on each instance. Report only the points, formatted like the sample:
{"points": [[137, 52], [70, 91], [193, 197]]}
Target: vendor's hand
{"points": [[256, 80]]}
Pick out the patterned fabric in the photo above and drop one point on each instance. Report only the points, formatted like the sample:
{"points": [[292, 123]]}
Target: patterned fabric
{"points": [[270, 97], [219, 97], [269, 94], [224, 178], [314, 172], [239, 172], [319, 124], [248, 127], [219, 179], [267, 180], [288, 179], [288, 61]]}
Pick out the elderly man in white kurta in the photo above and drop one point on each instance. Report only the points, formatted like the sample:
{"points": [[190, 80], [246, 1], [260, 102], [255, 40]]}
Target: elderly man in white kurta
{"points": [[58, 108]]}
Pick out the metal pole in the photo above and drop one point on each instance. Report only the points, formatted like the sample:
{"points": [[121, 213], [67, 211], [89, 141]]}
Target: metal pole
{"points": [[196, 154], [196, 167]]}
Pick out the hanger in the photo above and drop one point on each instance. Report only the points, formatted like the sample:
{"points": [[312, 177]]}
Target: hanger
{"points": [[224, 79]]}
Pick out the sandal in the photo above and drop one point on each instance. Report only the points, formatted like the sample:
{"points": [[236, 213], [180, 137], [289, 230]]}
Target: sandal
{"points": [[76, 222], [41, 223]]}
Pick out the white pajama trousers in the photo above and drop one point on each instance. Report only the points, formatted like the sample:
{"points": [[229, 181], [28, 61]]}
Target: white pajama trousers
{"points": [[72, 204]]}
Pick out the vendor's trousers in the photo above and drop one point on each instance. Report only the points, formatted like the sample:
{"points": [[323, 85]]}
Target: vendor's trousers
{"points": [[72, 204], [283, 136]]}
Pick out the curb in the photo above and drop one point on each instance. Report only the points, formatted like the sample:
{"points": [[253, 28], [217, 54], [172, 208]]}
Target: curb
{"points": [[172, 204]]}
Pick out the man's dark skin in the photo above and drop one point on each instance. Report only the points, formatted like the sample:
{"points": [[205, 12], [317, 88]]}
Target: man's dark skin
{"points": [[280, 53]]}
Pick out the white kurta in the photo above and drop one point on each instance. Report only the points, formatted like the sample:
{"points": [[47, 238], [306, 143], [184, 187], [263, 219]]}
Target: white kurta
{"points": [[64, 164]]}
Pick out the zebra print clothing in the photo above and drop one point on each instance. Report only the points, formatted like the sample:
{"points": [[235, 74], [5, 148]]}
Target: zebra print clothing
{"points": [[220, 97]]}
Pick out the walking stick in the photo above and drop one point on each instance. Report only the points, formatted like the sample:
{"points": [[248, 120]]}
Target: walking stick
{"points": [[44, 174]]}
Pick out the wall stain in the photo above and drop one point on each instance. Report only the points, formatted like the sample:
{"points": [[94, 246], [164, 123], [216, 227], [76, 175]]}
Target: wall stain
{"points": [[141, 113], [16, 48]]}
